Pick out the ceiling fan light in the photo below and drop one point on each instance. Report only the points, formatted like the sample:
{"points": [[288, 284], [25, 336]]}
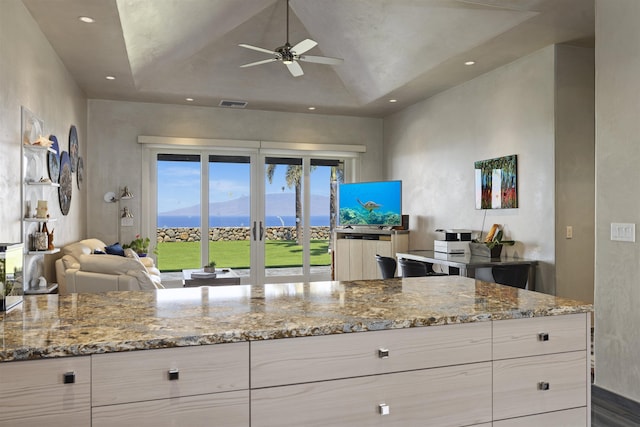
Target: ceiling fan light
{"points": [[287, 61]]}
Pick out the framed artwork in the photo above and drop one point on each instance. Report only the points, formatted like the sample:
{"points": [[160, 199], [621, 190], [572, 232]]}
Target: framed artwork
{"points": [[73, 147], [66, 183], [497, 183], [53, 160]]}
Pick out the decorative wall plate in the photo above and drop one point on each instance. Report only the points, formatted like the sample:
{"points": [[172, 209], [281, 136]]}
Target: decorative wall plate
{"points": [[73, 147], [53, 160], [80, 172], [66, 183]]}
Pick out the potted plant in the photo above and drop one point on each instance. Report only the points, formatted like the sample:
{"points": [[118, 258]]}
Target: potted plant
{"points": [[211, 267], [492, 245], [139, 245]]}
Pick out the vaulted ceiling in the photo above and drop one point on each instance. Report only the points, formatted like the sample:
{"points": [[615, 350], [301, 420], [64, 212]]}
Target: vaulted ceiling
{"points": [[169, 50]]}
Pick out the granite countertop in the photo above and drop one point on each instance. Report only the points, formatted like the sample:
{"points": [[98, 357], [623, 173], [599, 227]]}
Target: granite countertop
{"points": [[46, 326]]}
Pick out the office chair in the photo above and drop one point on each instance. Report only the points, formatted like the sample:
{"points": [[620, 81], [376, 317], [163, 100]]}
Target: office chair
{"points": [[387, 266], [411, 268], [511, 275]]}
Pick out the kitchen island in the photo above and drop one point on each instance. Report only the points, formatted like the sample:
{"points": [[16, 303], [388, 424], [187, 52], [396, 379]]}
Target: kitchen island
{"points": [[437, 351]]}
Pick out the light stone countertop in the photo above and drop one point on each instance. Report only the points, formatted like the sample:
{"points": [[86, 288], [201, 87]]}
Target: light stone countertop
{"points": [[45, 326]]}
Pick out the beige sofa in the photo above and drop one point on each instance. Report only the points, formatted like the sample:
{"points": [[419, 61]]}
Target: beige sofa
{"points": [[80, 269]]}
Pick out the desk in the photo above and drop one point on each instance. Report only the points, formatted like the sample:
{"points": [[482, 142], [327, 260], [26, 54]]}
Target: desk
{"points": [[224, 276], [467, 264]]}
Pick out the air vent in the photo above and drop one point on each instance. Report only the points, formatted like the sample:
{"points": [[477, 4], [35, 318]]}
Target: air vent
{"points": [[233, 104]]}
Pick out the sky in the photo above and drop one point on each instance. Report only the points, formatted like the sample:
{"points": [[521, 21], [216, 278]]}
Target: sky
{"points": [[179, 183]]}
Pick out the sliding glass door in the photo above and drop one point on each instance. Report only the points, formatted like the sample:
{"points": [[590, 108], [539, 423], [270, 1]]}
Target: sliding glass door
{"points": [[266, 217]]}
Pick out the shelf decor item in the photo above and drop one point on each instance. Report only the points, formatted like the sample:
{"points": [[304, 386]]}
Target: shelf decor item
{"points": [[53, 160]]}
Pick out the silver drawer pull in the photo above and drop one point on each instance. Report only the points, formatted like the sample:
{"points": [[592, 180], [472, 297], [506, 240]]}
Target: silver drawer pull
{"points": [[543, 336], [383, 409], [69, 377], [383, 353], [543, 385], [174, 374]]}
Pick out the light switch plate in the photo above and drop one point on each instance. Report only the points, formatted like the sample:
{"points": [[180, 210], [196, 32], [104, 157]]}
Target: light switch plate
{"points": [[623, 232]]}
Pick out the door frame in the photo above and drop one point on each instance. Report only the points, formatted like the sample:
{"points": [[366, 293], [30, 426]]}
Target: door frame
{"points": [[148, 199]]}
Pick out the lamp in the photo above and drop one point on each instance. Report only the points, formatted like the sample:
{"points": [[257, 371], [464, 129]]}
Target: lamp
{"points": [[126, 194], [126, 213], [110, 196]]}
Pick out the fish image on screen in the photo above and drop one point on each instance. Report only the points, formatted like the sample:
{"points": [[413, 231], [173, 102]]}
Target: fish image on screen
{"points": [[376, 203]]}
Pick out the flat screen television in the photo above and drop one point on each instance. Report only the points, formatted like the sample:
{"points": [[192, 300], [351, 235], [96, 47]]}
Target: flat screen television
{"points": [[374, 204]]}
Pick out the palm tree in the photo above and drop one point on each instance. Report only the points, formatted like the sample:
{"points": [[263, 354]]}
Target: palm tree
{"points": [[293, 177]]}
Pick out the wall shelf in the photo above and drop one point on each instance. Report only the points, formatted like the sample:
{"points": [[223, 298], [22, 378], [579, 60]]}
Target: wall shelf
{"points": [[47, 252]]}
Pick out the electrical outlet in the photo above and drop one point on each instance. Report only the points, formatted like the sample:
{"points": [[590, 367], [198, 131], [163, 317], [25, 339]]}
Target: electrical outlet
{"points": [[569, 234], [623, 232]]}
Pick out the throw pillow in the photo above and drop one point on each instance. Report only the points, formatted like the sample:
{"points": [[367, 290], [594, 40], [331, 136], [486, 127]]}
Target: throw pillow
{"points": [[115, 249]]}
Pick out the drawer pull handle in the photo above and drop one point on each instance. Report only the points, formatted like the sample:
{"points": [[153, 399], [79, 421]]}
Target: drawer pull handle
{"points": [[69, 377], [543, 385], [384, 409], [383, 353], [174, 374], [543, 336]]}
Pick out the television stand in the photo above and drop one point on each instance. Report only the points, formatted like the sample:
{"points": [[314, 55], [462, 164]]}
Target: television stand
{"points": [[355, 251]]}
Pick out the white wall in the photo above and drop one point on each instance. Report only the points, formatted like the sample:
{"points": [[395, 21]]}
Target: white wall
{"points": [[116, 157], [432, 147], [617, 335], [32, 75]]}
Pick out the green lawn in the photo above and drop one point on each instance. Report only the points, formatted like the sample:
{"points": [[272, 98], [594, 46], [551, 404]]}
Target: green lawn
{"points": [[175, 256]]}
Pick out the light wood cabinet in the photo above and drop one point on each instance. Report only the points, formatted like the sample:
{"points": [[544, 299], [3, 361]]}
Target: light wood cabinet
{"points": [[427, 397], [288, 361], [230, 409], [168, 387], [51, 392], [354, 256]]}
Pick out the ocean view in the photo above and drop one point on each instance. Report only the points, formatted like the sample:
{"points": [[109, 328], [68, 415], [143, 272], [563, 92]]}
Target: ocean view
{"points": [[236, 221]]}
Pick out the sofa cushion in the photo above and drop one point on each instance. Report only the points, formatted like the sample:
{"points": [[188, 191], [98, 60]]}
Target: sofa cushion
{"points": [[86, 246], [115, 249], [109, 264]]}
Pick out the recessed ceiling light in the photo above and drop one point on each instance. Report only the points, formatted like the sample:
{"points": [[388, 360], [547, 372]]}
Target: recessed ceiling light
{"points": [[470, 63], [189, 99], [311, 108], [393, 100], [110, 78], [87, 19]]}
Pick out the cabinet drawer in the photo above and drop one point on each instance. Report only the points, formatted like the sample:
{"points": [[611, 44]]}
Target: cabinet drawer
{"points": [[145, 375], [230, 409], [34, 392], [568, 418], [516, 390], [298, 360], [449, 396], [539, 335]]}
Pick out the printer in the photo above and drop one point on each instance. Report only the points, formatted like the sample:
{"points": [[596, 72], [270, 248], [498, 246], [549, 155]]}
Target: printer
{"points": [[456, 241]]}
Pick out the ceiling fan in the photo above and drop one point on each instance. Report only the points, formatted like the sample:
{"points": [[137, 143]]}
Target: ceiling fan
{"points": [[290, 55]]}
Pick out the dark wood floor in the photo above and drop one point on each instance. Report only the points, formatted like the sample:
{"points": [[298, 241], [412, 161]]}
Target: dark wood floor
{"points": [[610, 410]]}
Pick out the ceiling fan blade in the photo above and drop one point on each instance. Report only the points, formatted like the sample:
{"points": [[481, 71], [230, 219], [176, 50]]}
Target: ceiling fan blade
{"points": [[295, 69], [264, 61], [259, 49], [304, 46], [321, 59]]}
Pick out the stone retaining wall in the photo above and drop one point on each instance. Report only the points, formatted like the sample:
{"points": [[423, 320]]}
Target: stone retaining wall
{"points": [[192, 234]]}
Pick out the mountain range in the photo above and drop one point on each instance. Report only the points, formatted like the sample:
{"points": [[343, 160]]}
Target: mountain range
{"points": [[277, 204]]}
